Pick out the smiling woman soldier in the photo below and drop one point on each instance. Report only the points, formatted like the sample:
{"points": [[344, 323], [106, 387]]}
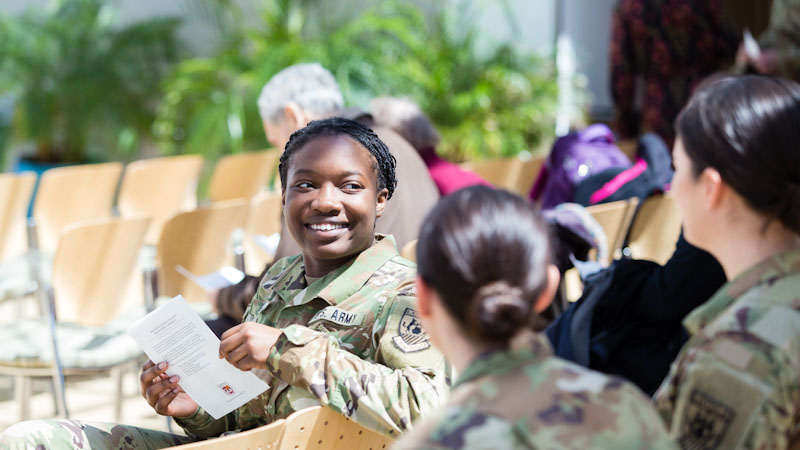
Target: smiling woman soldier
{"points": [[335, 325]]}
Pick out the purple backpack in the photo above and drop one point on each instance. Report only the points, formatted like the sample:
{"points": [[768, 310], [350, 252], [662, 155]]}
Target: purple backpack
{"points": [[573, 158]]}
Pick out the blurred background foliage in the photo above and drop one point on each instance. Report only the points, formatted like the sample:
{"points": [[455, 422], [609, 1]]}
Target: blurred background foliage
{"points": [[75, 85], [487, 103]]}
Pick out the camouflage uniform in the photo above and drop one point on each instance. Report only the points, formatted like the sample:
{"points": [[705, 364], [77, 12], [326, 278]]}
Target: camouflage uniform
{"points": [[524, 397], [783, 36], [736, 382], [351, 341]]}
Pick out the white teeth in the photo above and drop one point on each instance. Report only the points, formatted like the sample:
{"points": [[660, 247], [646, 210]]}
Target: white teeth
{"points": [[326, 227]]}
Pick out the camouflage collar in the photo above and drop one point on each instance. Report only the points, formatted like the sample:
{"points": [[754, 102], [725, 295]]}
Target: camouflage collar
{"points": [[772, 268], [340, 284], [524, 348]]}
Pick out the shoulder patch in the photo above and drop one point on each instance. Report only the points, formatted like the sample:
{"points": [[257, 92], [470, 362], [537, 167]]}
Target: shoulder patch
{"points": [[411, 337], [705, 421]]}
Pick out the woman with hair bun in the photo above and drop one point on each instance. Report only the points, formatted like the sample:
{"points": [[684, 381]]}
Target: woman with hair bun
{"points": [[736, 382], [483, 274]]}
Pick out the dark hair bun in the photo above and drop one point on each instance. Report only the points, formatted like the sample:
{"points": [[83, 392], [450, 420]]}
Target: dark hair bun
{"points": [[499, 311]]}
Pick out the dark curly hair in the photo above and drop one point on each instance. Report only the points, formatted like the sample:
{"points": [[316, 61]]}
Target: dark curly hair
{"points": [[385, 162], [485, 252]]}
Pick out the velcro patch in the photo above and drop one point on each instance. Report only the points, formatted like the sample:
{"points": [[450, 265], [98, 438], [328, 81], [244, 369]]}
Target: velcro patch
{"points": [[705, 421], [338, 316], [411, 337]]}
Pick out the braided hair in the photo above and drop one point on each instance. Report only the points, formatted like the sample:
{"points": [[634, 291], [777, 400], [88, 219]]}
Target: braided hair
{"points": [[384, 164]]}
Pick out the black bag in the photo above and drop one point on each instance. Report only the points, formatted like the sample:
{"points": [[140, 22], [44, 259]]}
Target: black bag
{"points": [[628, 322]]}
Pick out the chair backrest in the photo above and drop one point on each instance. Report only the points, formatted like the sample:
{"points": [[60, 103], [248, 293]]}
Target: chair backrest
{"points": [[159, 188], [615, 218], [263, 220], [73, 194], [261, 438], [655, 229], [199, 241], [527, 174], [503, 172], [93, 265], [15, 193], [242, 175], [323, 428], [409, 251]]}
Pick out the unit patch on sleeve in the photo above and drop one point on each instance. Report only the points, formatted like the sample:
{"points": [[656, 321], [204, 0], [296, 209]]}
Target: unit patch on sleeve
{"points": [[411, 337], [705, 422]]}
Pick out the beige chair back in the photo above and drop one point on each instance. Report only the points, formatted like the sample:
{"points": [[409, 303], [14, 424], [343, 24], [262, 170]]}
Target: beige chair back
{"points": [[528, 172], [502, 173], [73, 194], [15, 193], [615, 218], [323, 428], [655, 229], [264, 220], [93, 265], [262, 438], [409, 251], [159, 188], [241, 175], [198, 240]]}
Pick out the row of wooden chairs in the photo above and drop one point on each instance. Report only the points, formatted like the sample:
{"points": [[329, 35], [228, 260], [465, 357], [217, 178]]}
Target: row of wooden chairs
{"points": [[95, 282], [311, 428], [157, 188]]}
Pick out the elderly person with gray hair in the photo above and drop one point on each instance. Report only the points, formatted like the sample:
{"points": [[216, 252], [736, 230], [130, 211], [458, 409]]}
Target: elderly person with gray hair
{"points": [[407, 119], [292, 98]]}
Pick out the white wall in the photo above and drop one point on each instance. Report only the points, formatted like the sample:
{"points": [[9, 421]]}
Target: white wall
{"points": [[587, 23]]}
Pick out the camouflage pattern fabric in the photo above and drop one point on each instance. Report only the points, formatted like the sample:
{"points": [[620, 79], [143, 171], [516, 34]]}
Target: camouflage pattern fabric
{"points": [[351, 341], [62, 434], [783, 36], [736, 382], [523, 397]]}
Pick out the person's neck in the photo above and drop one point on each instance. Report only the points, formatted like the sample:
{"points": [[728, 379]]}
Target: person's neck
{"points": [[318, 269], [751, 243], [459, 350]]}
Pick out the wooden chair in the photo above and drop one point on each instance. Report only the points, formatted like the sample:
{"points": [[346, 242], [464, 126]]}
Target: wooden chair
{"points": [[198, 240], [159, 188], [528, 172], [409, 251], [503, 172], [15, 193], [261, 438], [85, 328], [242, 175], [264, 220], [73, 194], [655, 229], [615, 218], [323, 428]]}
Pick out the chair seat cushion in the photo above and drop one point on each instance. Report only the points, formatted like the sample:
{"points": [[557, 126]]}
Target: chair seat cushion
{"points": [[27, 344], [15, 274]]}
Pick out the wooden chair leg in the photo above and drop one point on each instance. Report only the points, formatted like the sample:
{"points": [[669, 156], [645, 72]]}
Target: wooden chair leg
{"points": [[22, 394]]}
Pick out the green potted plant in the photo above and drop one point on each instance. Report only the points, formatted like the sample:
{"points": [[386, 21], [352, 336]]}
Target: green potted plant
{"points": [[486, 104], [83, 86]]}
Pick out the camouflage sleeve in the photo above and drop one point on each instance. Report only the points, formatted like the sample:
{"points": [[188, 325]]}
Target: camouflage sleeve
{"points": [[726, 392], [406, 382], [202, 425]]}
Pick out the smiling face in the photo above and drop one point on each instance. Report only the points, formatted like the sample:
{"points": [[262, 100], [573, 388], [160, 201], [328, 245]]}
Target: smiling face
{"points": [[331, 201]]}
